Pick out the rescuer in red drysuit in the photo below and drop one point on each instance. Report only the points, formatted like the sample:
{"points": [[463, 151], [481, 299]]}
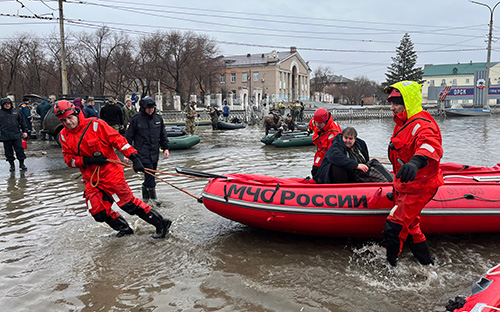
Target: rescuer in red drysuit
{"points": [[415, 152], [325, 129], [87, 144]]}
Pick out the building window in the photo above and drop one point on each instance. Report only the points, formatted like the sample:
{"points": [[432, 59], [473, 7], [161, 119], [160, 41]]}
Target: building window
{"points": [[223, 78], [255, 76], [454, 82], [244, 77], [280, 81], [432, 83], [467, 80], [233, 78], [443, 82]]}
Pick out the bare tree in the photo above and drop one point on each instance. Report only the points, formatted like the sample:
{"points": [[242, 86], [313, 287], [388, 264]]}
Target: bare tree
{"points": [[357, 89], [321, 79], [13, 51], [94, 53]]}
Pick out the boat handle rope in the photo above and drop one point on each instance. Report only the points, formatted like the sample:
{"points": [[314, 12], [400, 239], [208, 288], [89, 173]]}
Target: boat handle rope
{"points": [[466, 196], [490, 271], [152, 172]]}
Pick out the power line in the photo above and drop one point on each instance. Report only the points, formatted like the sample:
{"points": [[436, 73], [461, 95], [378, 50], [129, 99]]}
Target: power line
{"points": [[163, 12]]}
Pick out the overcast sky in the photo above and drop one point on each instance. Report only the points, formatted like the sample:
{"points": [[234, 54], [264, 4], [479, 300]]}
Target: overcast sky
{"points": [[354, 38]]}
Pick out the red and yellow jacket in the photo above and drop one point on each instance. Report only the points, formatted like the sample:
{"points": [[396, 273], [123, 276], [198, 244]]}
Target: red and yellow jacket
{"points": [[416, 133]]}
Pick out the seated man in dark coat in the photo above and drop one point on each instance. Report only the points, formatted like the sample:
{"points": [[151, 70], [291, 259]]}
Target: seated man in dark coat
{"points": [[348, 161]]}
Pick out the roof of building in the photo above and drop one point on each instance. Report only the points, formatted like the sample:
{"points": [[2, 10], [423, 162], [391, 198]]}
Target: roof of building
{"points": [[455, 69], [260, 59], [333, 79]]}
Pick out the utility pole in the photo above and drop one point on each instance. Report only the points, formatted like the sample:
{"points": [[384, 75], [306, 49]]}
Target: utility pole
{"points": [[64, 72], [488, 57]]}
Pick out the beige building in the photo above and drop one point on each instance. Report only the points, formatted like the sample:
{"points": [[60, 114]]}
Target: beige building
{"points": [[268, 77], [462, 83]]}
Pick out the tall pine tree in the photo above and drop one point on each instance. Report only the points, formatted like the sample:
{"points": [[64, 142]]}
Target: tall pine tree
{"points": [[403, 66]]}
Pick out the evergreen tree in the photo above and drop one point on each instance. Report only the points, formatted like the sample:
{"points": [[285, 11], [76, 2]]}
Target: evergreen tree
{"points": [[403, 66]]}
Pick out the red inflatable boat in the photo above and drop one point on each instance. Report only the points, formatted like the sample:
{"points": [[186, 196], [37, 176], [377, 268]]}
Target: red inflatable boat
{"points": [[468, 202], [485, 295]]}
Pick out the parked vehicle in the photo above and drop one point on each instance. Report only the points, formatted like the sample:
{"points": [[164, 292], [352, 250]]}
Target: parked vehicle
{"points": [[53, 126]]}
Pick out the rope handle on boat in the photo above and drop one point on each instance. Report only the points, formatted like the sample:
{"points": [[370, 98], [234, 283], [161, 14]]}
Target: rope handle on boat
{"points": [[152, 173], [466, 196], [490, 271]]}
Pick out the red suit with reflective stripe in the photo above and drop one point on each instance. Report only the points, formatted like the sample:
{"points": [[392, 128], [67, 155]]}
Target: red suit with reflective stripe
{"points": [[418, 135], [106, 183], [323, 138]]}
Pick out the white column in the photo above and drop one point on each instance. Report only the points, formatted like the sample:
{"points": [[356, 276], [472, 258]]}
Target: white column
{"points": [[177, 102]]}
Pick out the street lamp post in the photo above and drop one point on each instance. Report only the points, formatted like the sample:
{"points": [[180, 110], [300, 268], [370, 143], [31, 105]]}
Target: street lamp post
{"points": [[488, 57]]}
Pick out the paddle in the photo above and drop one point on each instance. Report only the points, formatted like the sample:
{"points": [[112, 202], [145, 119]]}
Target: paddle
{"points": [[198, 173]]}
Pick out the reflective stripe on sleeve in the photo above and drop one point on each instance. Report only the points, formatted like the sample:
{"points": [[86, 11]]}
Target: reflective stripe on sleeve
{"points": [[95, 125], [126, 147], [427, 147], [73, 163], [415, 129], [63, 138]]}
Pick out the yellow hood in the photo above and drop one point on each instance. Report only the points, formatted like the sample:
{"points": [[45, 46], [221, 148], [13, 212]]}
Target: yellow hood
{"points": [[412, 96]]}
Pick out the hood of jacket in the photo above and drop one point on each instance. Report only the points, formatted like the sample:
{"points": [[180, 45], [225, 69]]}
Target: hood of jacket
{"points": [[412, 96]]}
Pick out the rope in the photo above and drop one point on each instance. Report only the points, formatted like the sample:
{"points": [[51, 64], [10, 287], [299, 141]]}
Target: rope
{"points": [[490, 271], [97, 171], [152, 172], [464, 197]]}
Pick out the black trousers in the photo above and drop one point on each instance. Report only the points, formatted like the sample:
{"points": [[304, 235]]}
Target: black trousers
{"points": [[14, 145], [149, 180], [340, 175]]}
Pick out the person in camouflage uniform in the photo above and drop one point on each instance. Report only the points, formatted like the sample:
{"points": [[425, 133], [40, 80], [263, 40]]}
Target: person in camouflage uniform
{"points": [[190, 115], [214, 116]]}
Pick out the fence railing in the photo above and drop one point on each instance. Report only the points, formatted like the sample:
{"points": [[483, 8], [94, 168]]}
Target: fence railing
{"points": [[338, 114]]}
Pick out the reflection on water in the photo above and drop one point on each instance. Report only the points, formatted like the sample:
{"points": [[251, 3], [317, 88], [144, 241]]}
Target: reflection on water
{"points": [[54, 257]]}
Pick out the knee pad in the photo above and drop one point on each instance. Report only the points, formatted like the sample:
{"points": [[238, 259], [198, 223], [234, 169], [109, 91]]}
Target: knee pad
{"points": [[130, 208], [101, 216]]}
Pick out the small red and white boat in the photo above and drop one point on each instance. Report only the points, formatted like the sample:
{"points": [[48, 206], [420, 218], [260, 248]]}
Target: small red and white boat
{"points": [[485, 295], [468, 202]]}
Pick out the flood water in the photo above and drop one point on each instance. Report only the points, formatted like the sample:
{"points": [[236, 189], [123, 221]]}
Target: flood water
{"points": [[55, 257]]}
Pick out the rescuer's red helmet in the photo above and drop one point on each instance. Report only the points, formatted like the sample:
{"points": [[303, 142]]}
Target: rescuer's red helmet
{"points": [[321, 115], [63, 109], [395, 97]]}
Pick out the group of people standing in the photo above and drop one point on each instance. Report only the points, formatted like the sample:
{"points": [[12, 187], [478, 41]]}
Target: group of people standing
{"points": [[415, 151]]}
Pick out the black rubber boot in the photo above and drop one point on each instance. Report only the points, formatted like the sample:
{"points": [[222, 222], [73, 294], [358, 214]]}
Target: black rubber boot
{"points": [[145, 194], [152, 195], [120, 224], [391, 241], [153, 217], [21, 165], [421, 252], [12, 165]]}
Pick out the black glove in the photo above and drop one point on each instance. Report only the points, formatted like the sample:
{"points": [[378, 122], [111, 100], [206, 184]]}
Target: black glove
{"points": [[137, 163], [408, 171], [97, 159]]}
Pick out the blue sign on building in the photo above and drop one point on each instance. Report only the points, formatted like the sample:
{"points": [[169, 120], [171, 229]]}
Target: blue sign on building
{"points": [[458, 91]]}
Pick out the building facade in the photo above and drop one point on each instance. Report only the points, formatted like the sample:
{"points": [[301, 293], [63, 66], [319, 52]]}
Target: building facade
{"points": [[460, 84], [265, 77]]}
